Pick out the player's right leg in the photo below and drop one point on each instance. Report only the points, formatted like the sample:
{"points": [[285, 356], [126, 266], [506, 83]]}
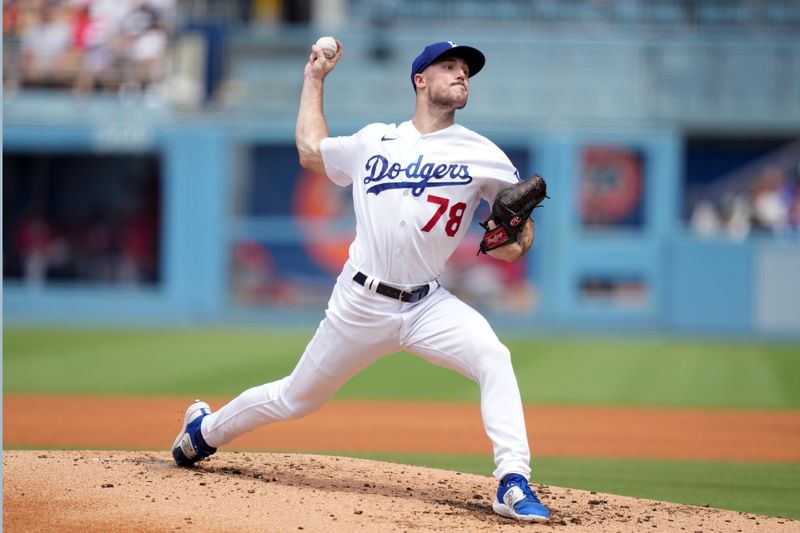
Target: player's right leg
{"points": [[328, 362], [189, 446], [516, 499], [353, 335]]}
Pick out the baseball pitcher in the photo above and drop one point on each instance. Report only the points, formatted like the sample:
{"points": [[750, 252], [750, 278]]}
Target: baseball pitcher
{"points": [[415, 188]]}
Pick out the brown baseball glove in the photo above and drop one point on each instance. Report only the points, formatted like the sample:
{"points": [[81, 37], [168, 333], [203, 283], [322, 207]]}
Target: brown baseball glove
{"points": [[512, 207]]}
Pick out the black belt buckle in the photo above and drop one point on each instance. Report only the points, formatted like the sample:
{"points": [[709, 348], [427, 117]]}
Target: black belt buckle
{"points": [[402, 295], [414, 295], [422, 292]]}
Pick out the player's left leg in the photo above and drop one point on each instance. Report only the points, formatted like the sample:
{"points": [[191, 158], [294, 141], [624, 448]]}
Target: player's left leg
{"points": [[449, 333], [359, 327]]}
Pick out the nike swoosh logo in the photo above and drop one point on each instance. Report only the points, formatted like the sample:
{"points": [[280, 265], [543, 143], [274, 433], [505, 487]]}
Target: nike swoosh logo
{"points": [[385, 138]]}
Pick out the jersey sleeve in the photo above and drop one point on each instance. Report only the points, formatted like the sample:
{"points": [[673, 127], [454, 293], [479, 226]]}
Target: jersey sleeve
{"points": [[503, 174], [338, 156]]}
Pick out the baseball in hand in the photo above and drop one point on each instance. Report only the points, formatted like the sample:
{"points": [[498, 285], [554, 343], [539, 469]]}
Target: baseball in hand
{"points": [[328, 45]]}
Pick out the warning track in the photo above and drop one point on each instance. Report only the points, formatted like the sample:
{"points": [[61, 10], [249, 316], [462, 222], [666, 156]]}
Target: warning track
{"points": [[396, 427]]}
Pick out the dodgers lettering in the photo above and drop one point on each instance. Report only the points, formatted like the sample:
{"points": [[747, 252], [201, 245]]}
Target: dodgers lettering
{"points": [[417, 176]]}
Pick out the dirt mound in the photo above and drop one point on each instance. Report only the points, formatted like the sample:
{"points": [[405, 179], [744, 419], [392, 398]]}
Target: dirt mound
{"points": [[144, 491]]}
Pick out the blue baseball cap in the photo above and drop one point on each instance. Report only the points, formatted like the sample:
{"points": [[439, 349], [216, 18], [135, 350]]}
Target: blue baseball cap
{"points": [[473, 57]]}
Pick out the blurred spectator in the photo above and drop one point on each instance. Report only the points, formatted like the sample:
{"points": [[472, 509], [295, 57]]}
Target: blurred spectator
{"points": [[794, 210], [253, 274], [137, 253], [761, 196], [36, 243], [46, 46], [86, 44], [705, 219], [144, 45], [95, 25], [737, 216], [771, 199], [12, 29], [95, 244], [82, 218]]}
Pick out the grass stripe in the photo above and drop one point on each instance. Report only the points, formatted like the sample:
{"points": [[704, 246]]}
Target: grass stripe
{"points": [[761, 488], [586, 371]]}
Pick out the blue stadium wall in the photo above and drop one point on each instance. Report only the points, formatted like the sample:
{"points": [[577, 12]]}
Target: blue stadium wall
{"points": [[552, 97], [681, 283]]}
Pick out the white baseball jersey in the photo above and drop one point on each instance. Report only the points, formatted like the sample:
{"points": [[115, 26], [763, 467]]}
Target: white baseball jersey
{"points": [[414, 195]]}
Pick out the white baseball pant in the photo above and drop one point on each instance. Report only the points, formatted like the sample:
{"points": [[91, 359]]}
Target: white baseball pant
{"points": [[360, 327]]}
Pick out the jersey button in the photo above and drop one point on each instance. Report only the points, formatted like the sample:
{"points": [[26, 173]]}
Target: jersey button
{"points": [[405, 193], [402, 223]]}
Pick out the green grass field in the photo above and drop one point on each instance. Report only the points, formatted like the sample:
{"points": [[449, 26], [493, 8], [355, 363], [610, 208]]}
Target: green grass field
{"points": [[585, 371], [761, 488]]}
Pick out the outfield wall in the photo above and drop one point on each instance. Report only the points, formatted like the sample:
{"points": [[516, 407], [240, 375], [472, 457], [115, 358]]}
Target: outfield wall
{"points": [[245, 233], [178, 199]]}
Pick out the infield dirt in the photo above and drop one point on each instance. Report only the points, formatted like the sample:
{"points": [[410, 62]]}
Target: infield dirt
{"points": [[144, 491], [235, 492], [81, 422]]}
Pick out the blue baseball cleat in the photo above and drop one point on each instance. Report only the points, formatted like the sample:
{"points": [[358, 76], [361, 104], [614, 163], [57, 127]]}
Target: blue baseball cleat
{"points": [[515, 499], [189, 446]]}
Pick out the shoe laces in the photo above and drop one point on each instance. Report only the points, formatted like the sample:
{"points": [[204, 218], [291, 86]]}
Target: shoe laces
{"points": [[519, 481]]}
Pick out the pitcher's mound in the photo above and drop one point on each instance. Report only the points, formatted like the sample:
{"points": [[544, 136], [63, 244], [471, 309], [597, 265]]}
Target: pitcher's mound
{"points": [[144, 491]]}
